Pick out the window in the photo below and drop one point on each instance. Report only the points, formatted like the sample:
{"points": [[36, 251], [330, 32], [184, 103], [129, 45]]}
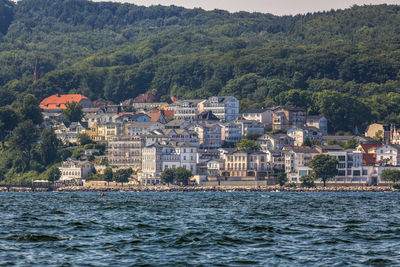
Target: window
{"points": [[356, 173], [364, 172]]}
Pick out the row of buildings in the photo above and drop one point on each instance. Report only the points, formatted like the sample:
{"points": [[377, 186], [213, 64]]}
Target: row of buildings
{"points": [[200, 135]]}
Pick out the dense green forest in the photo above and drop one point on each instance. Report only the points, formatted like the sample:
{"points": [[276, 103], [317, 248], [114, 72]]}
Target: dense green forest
{"points": [[344, 64]]}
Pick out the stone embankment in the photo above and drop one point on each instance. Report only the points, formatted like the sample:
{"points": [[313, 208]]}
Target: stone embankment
{"points": [[225, 189]]}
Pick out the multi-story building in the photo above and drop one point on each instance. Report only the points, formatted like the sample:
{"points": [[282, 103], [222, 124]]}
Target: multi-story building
{"points": [[319, 122], [297, 161], [299, 134], [261, 115], [231, 132], [75, 170], [68, 132], [125, 152], [185, 109], [284, 117], [388, 155], [209, 134], [274, 141], [142, 128], [110, 130], [156, 158], [247, 164], [226, 108], [250, 127], [182, 136]]}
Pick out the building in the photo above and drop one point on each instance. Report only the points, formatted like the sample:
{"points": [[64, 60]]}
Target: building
{"points": [[125, 152], [156, 158], [58, 102], [185, 109], [249, 164], [142, 128], [209, 134], [319, 122], [226, 108], [284, 117], [130, 117], [300, 134], [107, 131], [274, 141], [250, 127], [182, 136], [297, 161], [388, 155], [75, 170], [231, 132], [261, 115], [68, 132]]}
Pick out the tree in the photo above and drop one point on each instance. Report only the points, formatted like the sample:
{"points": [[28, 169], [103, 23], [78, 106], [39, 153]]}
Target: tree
{"points": [[48, 146], [324, 167], [351, 144], [253, 136], [24, 135], [281, 178], [245, 144], [391, 175], [108, 174], [84, 139], [73, 112], [307, 180], [167, 176], [182, 175], [8, 121], [307, 142], [122, 176], [30, 109], [53, 174]]}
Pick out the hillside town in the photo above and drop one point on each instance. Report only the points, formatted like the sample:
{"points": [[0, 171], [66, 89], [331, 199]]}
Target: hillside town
{"points": [[202, 136]]}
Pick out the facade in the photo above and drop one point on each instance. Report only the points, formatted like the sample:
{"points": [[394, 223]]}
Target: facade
{"points": [[125, 152], [284, 117], [274, 141], [250, 127], [388, 155], [319, 122], [156, 158], [209, 135], [75, 170], [107, 131], [297, 160], [69, 132], [185, 109], [231, 132], [142, 128], [252, 164], [262, 115], [299, 134], [226, 108]]}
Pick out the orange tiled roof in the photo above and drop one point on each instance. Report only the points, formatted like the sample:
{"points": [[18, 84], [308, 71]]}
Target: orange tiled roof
{"points": [[369, 159], [59, 101], [154, 115], [367, 147]]}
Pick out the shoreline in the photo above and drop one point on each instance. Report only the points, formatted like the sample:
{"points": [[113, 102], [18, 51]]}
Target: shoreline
{"points": [[206, 189]]}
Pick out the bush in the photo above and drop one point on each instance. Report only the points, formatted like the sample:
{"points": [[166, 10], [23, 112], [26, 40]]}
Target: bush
{"points": [[291, 185], [396, 186]]}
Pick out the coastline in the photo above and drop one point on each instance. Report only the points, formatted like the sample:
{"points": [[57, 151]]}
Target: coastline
{"points": [[206, 189]]}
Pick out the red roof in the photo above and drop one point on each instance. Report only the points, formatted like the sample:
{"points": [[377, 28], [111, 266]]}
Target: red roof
{"points": [[154, 115], [168, 113], [367, 147], [369, 159], [59, 101], [145, 98]]}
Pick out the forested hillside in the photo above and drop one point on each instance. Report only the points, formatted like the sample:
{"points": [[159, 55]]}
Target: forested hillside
{"points": [[343, 64]]}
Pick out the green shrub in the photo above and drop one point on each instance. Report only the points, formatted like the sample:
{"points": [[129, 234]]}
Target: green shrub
{"points": [[291, 185], [396, 186]]}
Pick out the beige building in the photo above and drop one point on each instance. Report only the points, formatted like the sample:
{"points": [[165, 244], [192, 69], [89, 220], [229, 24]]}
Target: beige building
{"points": [[209, 134], [245, 164], [125, 152], [75, 170], [379, 130], [285, 117]]}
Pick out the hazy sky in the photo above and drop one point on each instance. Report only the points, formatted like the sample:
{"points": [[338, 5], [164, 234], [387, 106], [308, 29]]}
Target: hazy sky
{"points": [[278, 7]]}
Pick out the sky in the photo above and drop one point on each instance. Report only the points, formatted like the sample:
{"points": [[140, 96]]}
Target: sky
{"points": [[277, 7]]}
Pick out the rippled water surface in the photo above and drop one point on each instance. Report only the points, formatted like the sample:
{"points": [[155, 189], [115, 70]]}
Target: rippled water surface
{"points": [[202, 229]]}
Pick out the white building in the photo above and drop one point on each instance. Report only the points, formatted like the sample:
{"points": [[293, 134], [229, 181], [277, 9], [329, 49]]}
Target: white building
{"points": [[75, 170], [319, 122], [142, 128], [185, 109], [388, 155], [274, 141], [231, 132], [262, 115], [226, 108], [299, 134], [156, 158]]}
